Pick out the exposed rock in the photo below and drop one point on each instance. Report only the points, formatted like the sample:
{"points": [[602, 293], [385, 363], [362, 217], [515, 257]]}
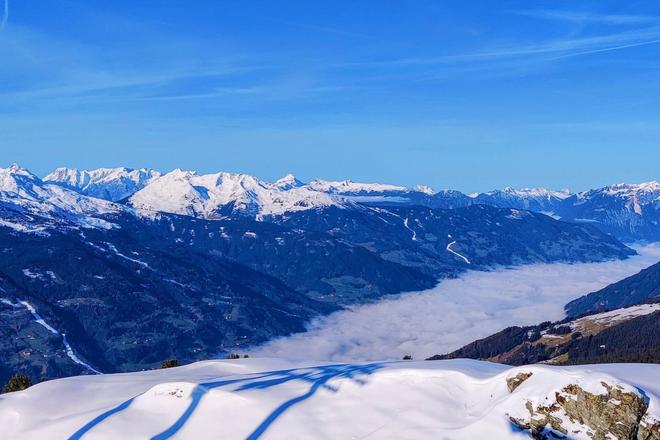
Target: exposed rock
{"points": [[514, 382], [649, 429], [576, 413]]}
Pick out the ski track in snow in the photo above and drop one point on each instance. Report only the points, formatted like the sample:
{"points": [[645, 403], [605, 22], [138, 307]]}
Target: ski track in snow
{"points": [[39, 320], [114, 249], [414, 234], [456, 253]]}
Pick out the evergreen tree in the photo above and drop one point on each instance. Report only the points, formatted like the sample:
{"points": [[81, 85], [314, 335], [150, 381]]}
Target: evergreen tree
{"points": [[170, 363], [18, 382]]}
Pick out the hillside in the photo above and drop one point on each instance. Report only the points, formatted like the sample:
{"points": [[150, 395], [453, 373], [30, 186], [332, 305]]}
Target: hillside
{"points": [[621, 335], [130, 287], [637, 288], [276, 399]]}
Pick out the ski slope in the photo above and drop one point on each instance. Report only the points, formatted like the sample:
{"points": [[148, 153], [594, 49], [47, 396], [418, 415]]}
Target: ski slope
{"points": [[278, 399], [462, 257]]}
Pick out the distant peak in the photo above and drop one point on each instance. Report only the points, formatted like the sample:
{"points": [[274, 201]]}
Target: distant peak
{"points": [[17, 170], [287, 182], [179, 173], [423, 189]]}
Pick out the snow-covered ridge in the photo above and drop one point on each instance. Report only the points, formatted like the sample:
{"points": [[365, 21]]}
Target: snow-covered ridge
{"points": [[526, 193], [112, 184], [217, 195], [278, 399], [134, 179], [627, 188], [613, 317], [24, 192], [353, 188], [635, 196]]}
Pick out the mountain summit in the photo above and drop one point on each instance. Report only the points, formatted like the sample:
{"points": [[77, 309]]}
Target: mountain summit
{"points": [[628, 211], [112, 184]]}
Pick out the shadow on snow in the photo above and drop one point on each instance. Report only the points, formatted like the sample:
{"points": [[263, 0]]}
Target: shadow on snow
{"points": [[316, 377]]}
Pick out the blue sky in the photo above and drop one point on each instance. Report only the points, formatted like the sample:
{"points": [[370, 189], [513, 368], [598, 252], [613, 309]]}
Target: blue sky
{"points": [[471, 95]]}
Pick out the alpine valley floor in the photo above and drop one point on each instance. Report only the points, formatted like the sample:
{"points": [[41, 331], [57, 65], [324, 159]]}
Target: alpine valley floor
{"points": [[454, 313]]}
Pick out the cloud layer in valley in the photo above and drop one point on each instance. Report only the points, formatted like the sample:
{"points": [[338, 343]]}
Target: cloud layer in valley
{"points": [[453, 313]]}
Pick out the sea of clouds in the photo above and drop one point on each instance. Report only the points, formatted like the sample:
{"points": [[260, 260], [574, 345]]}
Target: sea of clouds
{"points": [[454, 313]]}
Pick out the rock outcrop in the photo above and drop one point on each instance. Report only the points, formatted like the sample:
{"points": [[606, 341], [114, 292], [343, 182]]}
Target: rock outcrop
{"points": [[649, 429], [514, 382], [577, 413]]}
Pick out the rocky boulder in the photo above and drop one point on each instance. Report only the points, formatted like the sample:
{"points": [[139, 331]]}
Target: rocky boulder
{"points": [[514, 382], [576, 413]]}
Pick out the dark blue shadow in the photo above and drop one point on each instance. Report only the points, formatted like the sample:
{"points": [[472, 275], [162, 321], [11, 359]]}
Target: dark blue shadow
{"points": [[317, 380], [82, 431], [317, 377]]}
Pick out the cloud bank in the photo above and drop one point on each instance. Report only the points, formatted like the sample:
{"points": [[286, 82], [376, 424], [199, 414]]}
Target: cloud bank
{"points": [[453, 313]]}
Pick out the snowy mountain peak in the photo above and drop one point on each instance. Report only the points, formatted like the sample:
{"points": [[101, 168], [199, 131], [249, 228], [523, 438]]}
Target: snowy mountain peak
{"points": [[534, 192], [178, 173], [220, 194], [287, 182], [640, 193], [21, 192], [15, 179], [628, 188], [423, 189], [112, 184], [17, 170], [349, 187]]}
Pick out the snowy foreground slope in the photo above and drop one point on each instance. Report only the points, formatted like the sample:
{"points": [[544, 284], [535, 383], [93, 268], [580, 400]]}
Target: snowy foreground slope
{"points": [[276, 399]]}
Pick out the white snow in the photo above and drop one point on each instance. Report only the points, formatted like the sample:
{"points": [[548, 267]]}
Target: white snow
{"points": [[287, 182], [279, 399], [69, 351], [350, 187], [635, 195], [28, 273], [72, 355], [423, 189], [29, 194], [537, 193], [114, 249], [37, 318], [18, 227], [517, 214], [456, 253], [187, 193], [414, 234], [615, 316], [112, 184]]}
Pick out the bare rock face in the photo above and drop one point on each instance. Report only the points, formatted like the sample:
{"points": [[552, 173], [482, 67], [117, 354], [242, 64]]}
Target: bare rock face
{"points": [[576, 413], [514, 382], [649, 429]]}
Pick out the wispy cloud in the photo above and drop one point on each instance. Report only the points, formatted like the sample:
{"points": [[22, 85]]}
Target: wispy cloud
{"points": [[454, 313], [5, 15], [589, 17], [324, 29], [558, 47]]}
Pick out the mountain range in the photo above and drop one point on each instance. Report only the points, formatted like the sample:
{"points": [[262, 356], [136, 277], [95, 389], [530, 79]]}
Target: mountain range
{"points": [[117, 269], [630, 212]]}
